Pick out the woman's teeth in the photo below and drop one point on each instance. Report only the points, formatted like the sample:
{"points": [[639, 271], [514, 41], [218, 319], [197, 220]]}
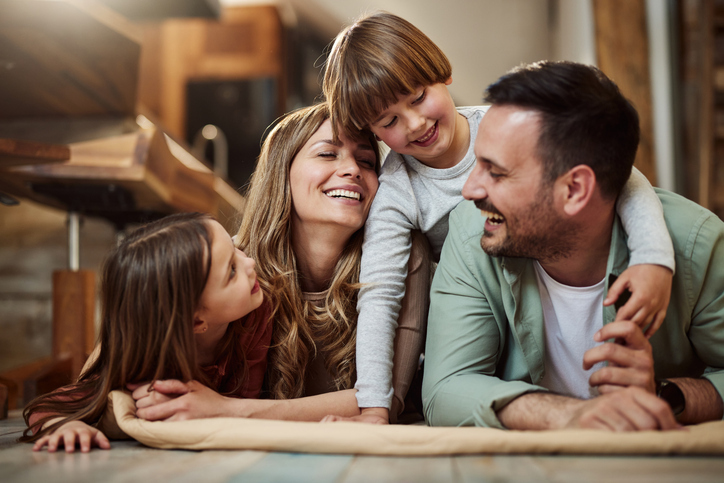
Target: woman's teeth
{"points": [[493, 218], [353, 195]]}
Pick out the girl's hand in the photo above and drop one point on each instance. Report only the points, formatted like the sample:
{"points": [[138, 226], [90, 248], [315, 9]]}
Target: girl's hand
{"points": [[177, 401], [71, 433], [650, 287]]}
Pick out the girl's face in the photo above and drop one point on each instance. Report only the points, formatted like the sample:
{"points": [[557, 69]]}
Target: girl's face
{"points": [[231, 290], [333, 184]]}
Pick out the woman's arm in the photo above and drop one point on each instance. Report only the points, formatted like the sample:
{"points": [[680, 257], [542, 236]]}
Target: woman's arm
{"points": [[175, 400]]}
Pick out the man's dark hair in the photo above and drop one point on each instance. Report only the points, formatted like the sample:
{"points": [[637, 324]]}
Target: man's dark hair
{"points": [[584, 119]]}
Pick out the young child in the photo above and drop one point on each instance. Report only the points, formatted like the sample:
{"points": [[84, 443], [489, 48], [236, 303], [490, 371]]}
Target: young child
{"points": [[179, 302], [386, 75]]}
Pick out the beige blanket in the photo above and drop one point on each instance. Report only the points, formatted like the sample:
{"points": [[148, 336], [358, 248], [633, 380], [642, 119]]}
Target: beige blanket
{"points": [[352, 438]]}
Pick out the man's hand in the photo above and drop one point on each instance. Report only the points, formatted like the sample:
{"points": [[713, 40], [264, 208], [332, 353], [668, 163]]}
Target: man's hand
{"points": [[71, 433], [630, 358], [174, 400], [650, 287], [367, 415], [630, 409]]}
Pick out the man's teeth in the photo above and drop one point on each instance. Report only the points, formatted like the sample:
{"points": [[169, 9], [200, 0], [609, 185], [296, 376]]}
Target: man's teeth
{"points": [[493, 218], [343, 194]]}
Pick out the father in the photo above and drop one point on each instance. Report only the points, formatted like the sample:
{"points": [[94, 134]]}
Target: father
{"points": [[517, 336]]}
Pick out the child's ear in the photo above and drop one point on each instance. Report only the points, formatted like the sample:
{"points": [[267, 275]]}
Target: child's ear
{"points": [[200, 326], [448, 81]]}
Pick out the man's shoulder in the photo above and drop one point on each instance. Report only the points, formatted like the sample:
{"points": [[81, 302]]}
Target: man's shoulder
{"points": [[685, 219], [467, 220]]}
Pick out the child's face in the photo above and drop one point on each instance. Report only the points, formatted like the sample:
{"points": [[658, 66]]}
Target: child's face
{"points": [[423, 124], [231, 290], [332, 184]]}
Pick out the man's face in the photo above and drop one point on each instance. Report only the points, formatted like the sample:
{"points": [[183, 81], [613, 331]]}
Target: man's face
{"points": [[507, 186]]}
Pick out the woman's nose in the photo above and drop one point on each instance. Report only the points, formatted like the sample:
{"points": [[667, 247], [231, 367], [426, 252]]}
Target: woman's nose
{"points": [[349, 167]]}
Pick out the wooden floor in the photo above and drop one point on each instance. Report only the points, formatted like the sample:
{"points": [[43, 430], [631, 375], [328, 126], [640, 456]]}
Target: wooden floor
{"points": [[131, 461]]}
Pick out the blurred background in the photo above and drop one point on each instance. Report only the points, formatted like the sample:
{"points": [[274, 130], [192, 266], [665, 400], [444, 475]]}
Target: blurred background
{"points": [[114, 112]]}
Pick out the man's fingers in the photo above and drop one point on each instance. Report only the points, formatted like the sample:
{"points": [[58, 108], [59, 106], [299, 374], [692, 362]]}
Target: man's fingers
{"points": [[617, 354], [659, 409], [622, 377], [625, 330]]}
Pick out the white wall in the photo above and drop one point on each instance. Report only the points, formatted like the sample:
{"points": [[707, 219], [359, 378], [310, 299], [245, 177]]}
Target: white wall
{"points": [[482, 38]]}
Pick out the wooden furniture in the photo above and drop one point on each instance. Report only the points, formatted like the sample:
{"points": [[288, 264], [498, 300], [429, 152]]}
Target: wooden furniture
{"points": [[622, 51], [73, 136], [701, 35]]}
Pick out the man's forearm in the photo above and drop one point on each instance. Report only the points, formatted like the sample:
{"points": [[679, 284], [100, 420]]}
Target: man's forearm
{"points": [[538, 410], [703, 402]]}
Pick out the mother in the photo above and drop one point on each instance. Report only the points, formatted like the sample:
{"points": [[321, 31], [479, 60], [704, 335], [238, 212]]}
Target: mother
{"points": [[304, 224]]}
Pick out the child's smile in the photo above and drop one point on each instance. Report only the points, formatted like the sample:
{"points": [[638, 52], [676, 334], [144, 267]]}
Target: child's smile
{"points": [[426, 125]]}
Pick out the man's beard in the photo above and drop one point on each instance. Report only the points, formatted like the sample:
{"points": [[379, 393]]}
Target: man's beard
{"points": [[539, 232]]}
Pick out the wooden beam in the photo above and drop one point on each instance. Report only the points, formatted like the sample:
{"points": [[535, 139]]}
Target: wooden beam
{"points": [[622, 48]]}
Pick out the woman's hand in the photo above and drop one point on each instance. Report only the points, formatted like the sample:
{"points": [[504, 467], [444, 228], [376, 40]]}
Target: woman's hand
{"points": [[174, 400], [71, 433], [650, 287]]}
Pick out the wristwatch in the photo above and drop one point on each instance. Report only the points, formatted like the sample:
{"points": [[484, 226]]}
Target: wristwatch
{"points": [[672, 394]]}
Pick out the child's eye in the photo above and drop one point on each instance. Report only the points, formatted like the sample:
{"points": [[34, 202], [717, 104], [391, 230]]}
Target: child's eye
{"points": [[420, 98], [232, 273], [391, 123]]}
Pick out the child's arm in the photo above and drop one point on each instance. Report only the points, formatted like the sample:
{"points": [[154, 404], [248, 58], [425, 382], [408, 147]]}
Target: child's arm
{"points": [[651, 264], [383, 272], [70, 434]]}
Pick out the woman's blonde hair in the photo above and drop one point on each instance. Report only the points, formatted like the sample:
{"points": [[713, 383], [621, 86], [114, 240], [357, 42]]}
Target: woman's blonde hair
{"points": [[374, 60], [301, 328]]}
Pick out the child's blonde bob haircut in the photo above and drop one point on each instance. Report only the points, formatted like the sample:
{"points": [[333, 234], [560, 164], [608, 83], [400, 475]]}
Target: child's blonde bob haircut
{"points": [[371, 63]]}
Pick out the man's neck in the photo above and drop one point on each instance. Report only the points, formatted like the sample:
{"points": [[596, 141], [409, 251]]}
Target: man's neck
{"points": [[587, 261]]}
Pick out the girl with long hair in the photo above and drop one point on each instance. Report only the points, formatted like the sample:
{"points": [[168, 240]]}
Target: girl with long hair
{"points": [[179, 301]]}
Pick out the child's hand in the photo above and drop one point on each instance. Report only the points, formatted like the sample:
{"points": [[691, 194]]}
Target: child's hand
{"points": [[71, 433], [650, 287], [367, 415]]}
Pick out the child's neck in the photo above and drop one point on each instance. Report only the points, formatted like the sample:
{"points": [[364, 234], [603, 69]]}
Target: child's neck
{"points": [[458, 147], [206, 343]]}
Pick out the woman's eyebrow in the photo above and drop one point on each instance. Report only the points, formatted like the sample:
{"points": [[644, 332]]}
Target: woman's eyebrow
{"points": [[328, 141]]}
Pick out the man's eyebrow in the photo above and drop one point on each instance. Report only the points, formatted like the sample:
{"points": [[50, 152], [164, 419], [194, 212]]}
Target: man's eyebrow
{"points": [[485, 160]]}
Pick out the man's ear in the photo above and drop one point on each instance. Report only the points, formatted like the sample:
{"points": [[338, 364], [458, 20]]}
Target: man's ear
{"points": [[577, 187]]}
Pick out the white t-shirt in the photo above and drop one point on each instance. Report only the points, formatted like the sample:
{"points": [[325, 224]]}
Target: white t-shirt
{"points": [[572, 316]]}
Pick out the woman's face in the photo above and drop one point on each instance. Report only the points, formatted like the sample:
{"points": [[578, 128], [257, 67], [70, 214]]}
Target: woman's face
{"points": [[333, 184]]}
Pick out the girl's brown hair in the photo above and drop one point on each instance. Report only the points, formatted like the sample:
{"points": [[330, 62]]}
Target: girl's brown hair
{"points": [[150, 290], [374, 60], [265, 235]]}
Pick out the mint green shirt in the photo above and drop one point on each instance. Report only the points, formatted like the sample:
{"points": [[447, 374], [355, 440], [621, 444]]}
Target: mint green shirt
{"points": [[485, 340]]}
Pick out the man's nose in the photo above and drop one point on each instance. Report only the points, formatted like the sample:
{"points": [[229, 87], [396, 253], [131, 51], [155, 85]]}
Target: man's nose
{"points": [[474, 188]]}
